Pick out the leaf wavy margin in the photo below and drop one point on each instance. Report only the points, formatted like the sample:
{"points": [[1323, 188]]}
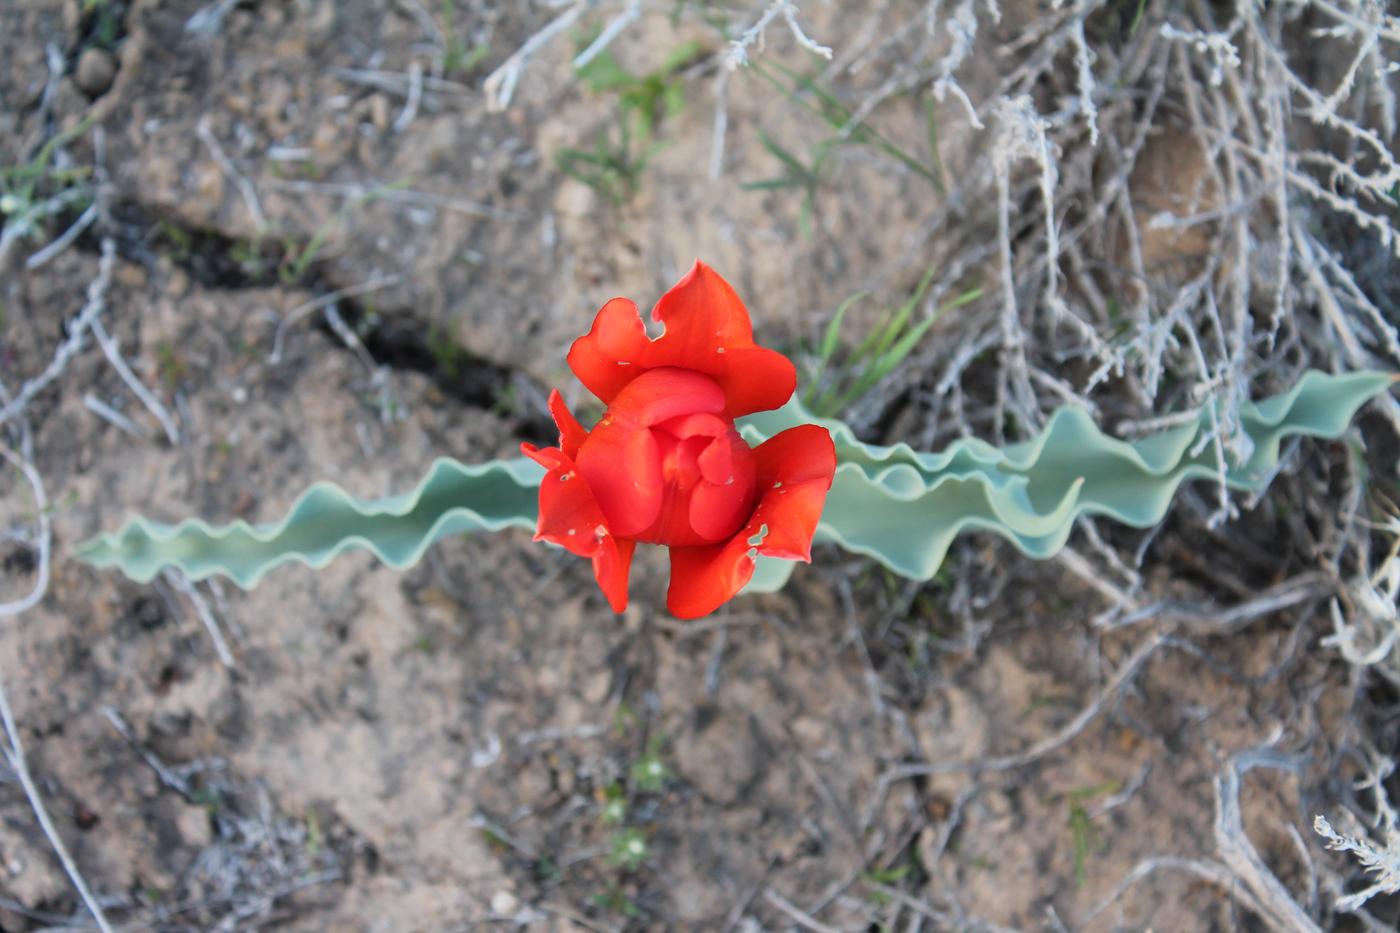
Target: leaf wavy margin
{"points": [[903, 507], [897, 505], [325, 521]]}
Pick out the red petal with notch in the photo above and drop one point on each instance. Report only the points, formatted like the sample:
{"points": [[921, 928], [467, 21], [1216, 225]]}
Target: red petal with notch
{"points": [[609, 356], [707, 330], [794, 474], [571, 433], [570, 517]]}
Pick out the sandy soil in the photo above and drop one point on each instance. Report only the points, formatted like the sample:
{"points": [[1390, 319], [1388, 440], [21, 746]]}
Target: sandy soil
{"points": [[446, 748]]}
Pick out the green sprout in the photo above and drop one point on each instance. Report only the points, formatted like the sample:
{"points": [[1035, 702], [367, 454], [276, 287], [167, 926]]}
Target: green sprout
{"points": [[457, 57], [1137, 17], [614, 901], [649, 773], [806, 177], [24, 187], [614, 811], [614, 166], [885, 877], [170, 365], [839, 117], [248, 256], [650, 98], [208, 798], [624, 717], [297, 257], [181, 243], [314, 838], [1081, 827], [810, 174], [835, 388], [447, 356], [614, 804], [629, 849]]}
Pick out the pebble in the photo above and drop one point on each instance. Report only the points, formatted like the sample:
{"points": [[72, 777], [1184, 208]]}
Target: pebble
{"points": [[95, 72], [379, 112], [209, 186]]}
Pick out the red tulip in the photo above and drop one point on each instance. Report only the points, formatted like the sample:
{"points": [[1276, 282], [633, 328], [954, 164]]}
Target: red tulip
{"points": [[665, 464]]}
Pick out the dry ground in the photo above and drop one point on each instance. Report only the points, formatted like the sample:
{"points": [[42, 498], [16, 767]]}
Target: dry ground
{"points": [[479, 742]]}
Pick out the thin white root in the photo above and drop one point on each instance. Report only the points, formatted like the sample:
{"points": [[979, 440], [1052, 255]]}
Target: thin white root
{"points": [[14, 745], [1275, 905]]}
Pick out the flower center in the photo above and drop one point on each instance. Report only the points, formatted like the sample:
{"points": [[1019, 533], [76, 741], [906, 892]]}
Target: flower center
{"points": [[666, 464]]}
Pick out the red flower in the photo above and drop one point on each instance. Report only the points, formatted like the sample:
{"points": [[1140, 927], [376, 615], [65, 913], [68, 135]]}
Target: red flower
{"points": [[665, 464]]}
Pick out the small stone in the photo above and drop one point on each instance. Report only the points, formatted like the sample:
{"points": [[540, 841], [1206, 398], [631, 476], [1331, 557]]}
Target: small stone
{"points": [[209, 186], [276, 97], [597, 687], [325, 141], [194, 828], [131, 275], [565, 779], [504, 904], [177, 282], [379, 112], [96, 71]]}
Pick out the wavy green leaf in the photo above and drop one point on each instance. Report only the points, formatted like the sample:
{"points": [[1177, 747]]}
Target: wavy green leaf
{"points": [[898, 505], [904, 507], [326, 521]]}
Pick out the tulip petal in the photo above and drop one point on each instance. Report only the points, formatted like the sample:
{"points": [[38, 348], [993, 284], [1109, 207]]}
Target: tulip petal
{"points": [[755, 379], [621, 464], [610, 568], [571, 433], [795, 468], [666, 393], [705, 578], [697, 424], [571, 518], [703, 311], [613, 352], [716, 461], [718, 506], [707, 330], [569, 514], [794, 473]]}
